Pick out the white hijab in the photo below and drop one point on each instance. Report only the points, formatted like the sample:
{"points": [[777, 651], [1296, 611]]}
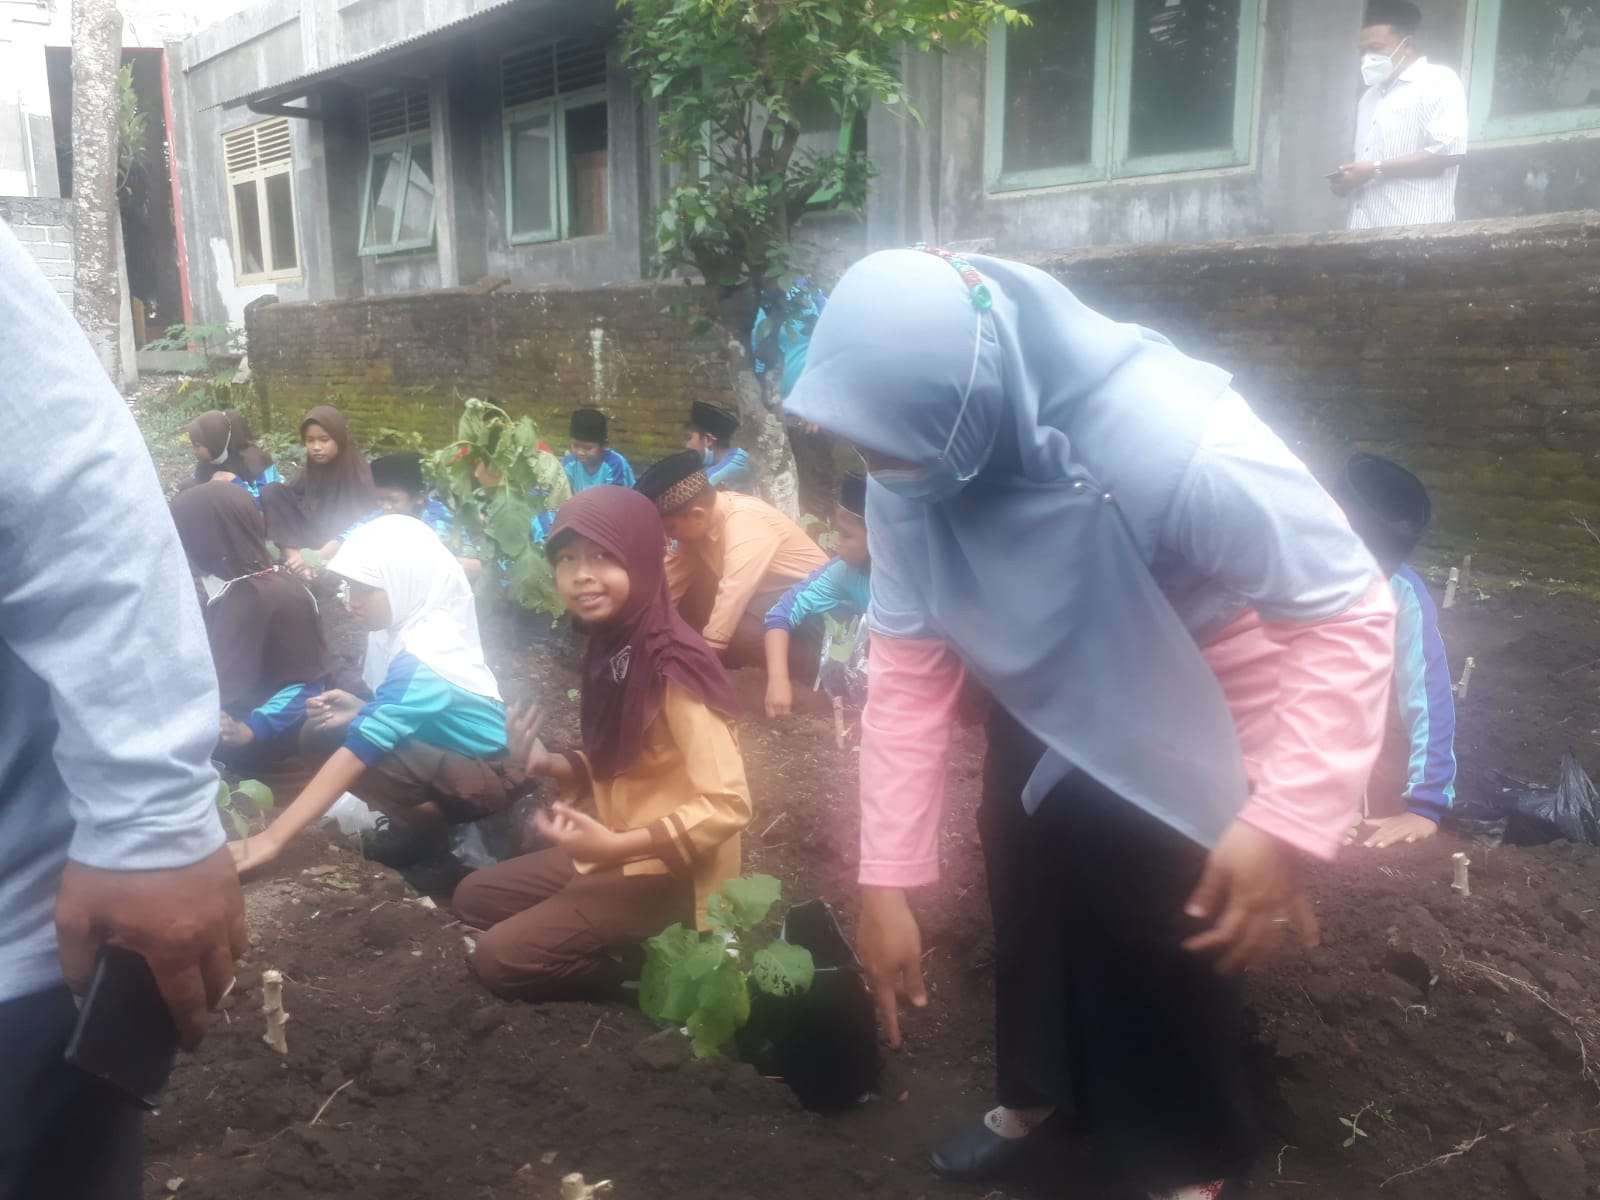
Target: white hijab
{"points": [[430, 602]]}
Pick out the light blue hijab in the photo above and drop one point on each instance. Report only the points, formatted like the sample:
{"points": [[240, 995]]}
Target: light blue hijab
{"points": [[1073, 433]]}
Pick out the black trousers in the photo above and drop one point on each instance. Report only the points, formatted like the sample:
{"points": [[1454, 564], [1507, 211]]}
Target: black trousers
{"points": [[1098, 1008], [64, 1135]]}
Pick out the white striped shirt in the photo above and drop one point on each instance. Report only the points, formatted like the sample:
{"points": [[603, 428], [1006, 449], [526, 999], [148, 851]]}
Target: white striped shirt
{"points": [[1423, 108]]}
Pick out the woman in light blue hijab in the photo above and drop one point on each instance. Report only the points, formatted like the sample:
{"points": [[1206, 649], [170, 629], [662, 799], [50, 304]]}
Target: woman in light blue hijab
{"points": [[1096, 529]]}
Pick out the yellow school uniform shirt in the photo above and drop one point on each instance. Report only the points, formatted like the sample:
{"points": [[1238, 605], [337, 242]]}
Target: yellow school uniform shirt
{"points": [[688, 788]]}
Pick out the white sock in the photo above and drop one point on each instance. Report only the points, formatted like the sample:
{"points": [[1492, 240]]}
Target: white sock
{"points": [[1195, 1191], [1016, 1122]]}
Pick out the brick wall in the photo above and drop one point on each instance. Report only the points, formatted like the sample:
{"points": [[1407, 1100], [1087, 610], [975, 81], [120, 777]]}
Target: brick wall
{"points": [[1471, 354], [405, 362], [44, 227]]}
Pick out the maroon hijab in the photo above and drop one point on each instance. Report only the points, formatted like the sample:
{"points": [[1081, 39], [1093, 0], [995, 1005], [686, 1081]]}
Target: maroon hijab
{"points": [[628, 661], [335, 495]]}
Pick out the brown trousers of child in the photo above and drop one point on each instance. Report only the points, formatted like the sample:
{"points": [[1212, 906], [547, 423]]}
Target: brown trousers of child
{"points": [[550, 932]]}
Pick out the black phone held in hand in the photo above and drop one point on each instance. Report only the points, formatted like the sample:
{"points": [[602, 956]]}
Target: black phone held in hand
{"points": [[125, 1033]]}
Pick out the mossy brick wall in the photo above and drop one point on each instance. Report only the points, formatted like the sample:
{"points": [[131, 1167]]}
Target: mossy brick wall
{"points": [[407, 361], [1470, 353]]}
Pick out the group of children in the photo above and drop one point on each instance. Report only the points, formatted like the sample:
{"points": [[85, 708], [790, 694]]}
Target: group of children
{"points": [[674, 578]]}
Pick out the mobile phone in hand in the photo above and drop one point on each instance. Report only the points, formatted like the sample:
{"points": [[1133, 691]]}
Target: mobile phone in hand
{"points": [[125, 1033]]}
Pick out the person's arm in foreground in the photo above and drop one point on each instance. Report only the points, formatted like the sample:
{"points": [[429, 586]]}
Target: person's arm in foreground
{"points": [[1250, 515], [818, 593], [913, 701], [96, 600], [1428, 711]]}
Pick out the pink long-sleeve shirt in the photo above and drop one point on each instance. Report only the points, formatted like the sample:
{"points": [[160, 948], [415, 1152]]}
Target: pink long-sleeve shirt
{"points": [[1308, 701]]}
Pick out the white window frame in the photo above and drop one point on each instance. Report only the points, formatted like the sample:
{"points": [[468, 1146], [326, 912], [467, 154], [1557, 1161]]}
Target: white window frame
{"points": [[1109, 157], [406, 143], [259, 174]]}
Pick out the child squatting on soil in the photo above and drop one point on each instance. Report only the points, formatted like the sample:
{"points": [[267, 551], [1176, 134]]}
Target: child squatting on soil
{"points": [[1188, 652], [226, 450], [266, 638], [333, 490], [660, 761], [429, 750], [402, 490], [839, 590], [1389, 508]]}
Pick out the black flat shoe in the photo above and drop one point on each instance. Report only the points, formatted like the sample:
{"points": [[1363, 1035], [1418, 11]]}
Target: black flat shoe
{"points": [[978, 1154]]}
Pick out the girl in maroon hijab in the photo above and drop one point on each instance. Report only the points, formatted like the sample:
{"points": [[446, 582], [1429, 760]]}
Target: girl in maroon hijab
{"points": [[225, 449], [647, 827], [331, 493]]}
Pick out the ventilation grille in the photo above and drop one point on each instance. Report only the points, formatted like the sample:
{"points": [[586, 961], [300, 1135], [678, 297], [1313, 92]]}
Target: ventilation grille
{"points": [[396, 114], [259, 145], [557, 69]]}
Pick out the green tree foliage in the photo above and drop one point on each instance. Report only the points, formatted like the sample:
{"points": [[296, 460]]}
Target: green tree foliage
{"points": [[497, 480], [731, 77], [703, 980]]}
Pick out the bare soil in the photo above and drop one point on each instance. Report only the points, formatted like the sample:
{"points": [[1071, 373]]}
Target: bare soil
{"points": [[1458, 1034]]}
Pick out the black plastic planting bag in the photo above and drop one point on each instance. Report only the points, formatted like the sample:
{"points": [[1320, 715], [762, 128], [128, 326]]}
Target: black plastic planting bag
{"points": [[1572, 811], [823, 1042]]}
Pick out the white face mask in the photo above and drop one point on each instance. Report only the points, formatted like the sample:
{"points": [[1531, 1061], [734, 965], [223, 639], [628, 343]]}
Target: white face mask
{"points": [[1379, 68]]}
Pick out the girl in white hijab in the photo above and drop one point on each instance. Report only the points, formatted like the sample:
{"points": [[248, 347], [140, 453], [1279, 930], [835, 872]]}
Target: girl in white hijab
{"points": [[428, 749]]}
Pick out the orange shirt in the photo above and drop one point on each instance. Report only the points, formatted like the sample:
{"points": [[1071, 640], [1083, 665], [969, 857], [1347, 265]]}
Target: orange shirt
{"points": [[752, 551]]}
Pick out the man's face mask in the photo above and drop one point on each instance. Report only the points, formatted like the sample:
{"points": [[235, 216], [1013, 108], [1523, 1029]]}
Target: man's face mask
{"points": [[1379, 68]]}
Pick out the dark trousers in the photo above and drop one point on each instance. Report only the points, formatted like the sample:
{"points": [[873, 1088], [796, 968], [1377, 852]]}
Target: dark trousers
{"points": [[549, 931], [64, 1135], [1097, 1006]]}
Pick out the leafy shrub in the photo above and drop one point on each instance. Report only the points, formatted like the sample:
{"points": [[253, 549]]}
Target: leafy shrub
{"points": [[703, 980], [232, 804]]}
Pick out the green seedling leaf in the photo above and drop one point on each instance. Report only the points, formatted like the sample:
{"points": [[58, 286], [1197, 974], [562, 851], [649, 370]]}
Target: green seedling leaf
{"points": [[257, 792], [704, 959], [224, 795], [724, 1005], [783, 970], [750, 899], [667, 992], [313, 559], [241, 826]]}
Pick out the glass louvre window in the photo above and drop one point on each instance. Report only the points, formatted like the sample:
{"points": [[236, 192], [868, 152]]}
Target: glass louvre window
{"points": [[259, 163], [399, 204], [557, 141], [1096, 90]]}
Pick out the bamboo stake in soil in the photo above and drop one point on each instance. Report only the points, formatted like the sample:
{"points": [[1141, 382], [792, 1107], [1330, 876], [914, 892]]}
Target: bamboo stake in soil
{"points": [[1450, 588], [272, 1008], [1466, 678], [1459, 884]]}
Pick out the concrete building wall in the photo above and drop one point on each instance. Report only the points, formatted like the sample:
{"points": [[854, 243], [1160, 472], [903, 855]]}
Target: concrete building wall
{"points": [[44, 227]]}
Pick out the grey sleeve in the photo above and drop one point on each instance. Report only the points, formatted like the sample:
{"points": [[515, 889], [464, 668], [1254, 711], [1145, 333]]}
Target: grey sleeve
{"points": [[1251, 516], [896, 532], [95, 594]]}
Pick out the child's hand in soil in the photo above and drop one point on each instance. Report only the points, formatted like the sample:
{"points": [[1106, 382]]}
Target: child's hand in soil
{"points": [[333, 709], [296, 564], [256, 852], [235, 733], [223, 477], [523, 726], [579, 834], [780, 697], [1408, 827], [1246, 894]]}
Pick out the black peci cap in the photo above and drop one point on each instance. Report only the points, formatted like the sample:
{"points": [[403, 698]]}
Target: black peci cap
{"points": [[403, 471], [675, 481], [853, 494], [721, 423], [1387, 505], [588, 425], [1402, 15]]}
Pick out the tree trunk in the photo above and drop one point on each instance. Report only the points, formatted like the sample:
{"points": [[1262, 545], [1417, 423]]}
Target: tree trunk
{"points": [[763, 434], [96, 58]]}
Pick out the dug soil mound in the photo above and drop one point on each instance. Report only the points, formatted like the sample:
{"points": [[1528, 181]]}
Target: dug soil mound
{"points": [[1435, 1046]]}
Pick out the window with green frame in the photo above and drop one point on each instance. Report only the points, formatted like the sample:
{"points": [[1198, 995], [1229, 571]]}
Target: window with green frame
{"points": [[1535, 68], [556, 141], [399, 196], [1096, 90]]}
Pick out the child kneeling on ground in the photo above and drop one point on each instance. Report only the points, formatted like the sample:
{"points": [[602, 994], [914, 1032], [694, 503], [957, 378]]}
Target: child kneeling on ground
{"points": [[429, 750], [660, 761]]}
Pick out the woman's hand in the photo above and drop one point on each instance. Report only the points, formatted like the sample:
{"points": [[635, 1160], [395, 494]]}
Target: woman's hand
{"points": [[255, 852], [523, 726], [780, 696], [890, 946], [1246, 894], [333, 709], [579, 834], [1408, 827]]}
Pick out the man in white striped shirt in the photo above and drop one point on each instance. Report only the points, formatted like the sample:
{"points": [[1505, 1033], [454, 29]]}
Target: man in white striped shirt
{"points": [[1411, 127]]}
